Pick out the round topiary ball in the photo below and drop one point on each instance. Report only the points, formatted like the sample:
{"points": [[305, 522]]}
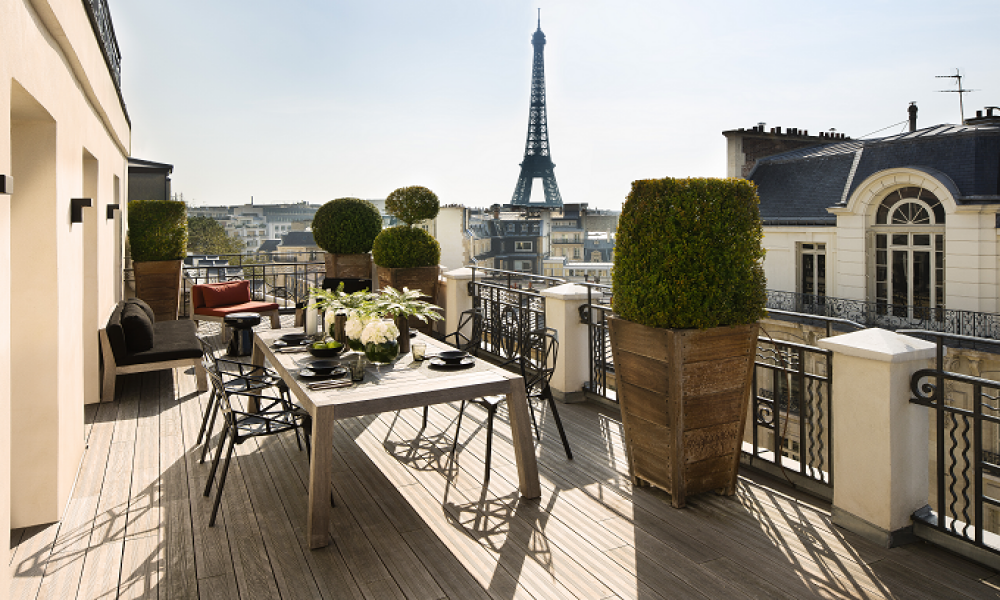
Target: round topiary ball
{"points": [[404, 247], [412, 204], [346, 226]]}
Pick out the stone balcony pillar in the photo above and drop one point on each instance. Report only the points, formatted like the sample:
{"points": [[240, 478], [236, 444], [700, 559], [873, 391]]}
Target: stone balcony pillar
{"points": [[881, 440], [562, 313], [456, 297]]}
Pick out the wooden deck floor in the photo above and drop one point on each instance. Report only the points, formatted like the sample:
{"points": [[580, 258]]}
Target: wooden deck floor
{"points": [[410, 523]]}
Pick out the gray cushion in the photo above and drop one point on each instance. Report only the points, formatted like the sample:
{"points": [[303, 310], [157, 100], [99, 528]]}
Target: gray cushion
{"points": [[138, 329], [174, 340], [145, 308], [116, 336]]}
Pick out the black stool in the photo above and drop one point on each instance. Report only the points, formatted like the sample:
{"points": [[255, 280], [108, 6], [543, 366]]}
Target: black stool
{"points": [[241, 344]]}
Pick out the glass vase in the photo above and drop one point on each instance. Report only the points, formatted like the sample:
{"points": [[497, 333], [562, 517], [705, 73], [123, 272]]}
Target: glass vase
{"points": [[385, 352]]}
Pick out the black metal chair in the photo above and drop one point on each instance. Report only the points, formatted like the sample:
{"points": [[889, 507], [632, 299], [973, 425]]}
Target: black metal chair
{"points": [[470, 321], [274, 415], [237, 377], [539, 351]]}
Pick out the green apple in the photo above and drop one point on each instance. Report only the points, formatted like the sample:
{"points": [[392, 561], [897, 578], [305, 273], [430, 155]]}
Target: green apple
{"points": [[333, 345], [319, 345]]}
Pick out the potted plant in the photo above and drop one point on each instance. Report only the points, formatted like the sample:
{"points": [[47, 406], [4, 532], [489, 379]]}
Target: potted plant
{"points": [[346, 228], [688, 292], [402, 306], [407, 256], [157, 238], [339, 304]]}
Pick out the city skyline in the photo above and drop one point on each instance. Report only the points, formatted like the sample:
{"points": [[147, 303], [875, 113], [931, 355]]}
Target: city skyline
{"points": [[324, 100]]}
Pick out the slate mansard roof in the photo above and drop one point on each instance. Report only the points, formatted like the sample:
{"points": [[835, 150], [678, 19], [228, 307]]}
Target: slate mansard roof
{"points": [[797, 187]]}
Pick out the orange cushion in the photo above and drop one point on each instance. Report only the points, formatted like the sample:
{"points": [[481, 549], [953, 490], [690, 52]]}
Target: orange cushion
{"points": [[253, 306], [226, 294]]}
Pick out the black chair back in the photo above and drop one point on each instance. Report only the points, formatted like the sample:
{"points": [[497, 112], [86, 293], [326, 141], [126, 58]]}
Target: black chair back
{"points": [[469, 334], [539, 354]]}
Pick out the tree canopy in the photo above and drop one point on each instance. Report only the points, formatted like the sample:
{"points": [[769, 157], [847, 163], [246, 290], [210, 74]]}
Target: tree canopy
{"points": [[207, 236]]}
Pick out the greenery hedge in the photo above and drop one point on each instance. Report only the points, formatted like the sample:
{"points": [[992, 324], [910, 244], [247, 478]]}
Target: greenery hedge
{"points": [[157, 230], [346, 226], [688, 254], [412, 204], [404, 247]]}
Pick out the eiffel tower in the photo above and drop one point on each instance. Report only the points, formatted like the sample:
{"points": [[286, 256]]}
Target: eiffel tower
{"points": [[537, 159]]}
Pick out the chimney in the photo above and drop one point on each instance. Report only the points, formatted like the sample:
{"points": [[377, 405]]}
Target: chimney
{"points": [[913, 116]]}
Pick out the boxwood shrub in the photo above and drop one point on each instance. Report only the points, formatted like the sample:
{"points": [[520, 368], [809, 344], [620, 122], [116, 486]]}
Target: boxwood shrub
{"points": [[412, 204], [688, 254], [157, 230], [404, 246], [346, 226]]}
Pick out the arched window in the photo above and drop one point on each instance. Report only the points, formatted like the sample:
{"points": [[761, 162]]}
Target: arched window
{"points": [[909, 254]]}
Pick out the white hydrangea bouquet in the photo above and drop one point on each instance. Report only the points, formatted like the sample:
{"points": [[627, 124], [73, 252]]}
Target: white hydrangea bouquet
{"points": [[355, 327], [380, 339], [379, 331]]}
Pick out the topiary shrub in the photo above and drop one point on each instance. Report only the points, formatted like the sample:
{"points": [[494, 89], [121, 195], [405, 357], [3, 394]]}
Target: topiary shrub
{"points": [[412, 204], [346, 226], [688, 254], [157, 230], [404, 247]]}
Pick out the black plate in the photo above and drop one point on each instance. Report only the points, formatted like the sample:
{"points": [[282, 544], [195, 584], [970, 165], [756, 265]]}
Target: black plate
{"points": [[320, 366], [465, 363], [281, 344], [309, 374], [452, 356], [290, 338]]}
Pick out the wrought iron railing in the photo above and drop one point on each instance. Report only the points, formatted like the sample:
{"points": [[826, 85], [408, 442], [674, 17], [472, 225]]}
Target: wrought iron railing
{"points": [[967, 435], [100, 21], [790, 409], [285, 283], [511, 305], [889, 316], [601, 366]]}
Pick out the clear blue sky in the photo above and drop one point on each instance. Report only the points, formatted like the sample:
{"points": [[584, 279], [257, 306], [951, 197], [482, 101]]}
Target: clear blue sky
{"points": [[320, 99]]}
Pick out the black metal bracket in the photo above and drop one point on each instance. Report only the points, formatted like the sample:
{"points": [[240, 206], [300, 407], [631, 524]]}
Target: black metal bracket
{"points": [[584, 310], [6, 185], [111, 210], [76, 207]]}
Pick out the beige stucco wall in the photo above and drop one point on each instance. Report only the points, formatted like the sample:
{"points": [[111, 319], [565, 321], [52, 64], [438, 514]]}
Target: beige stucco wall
{"points": [[780, 247], [63, 135]]}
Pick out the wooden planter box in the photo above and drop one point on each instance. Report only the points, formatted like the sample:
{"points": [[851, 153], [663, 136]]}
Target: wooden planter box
{"points": [[159, 285], [349, 266], [424, 279], [684, 395]]}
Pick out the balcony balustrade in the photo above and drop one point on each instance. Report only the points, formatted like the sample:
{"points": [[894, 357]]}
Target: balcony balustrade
{"points": [[104, 30]]}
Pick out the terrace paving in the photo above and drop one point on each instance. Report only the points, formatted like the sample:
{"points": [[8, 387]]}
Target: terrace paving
{"points": [[410, 522]]}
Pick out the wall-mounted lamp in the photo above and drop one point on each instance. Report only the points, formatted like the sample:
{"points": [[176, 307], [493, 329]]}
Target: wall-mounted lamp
{"points": [[111, 211], [6, 184], [76, 207]]}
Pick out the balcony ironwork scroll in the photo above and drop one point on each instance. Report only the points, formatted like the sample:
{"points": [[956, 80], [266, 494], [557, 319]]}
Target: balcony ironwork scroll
{"points": [[966, 449], [594, 314], [791, 410], [511, 304], [889, 316], [100, 21]]}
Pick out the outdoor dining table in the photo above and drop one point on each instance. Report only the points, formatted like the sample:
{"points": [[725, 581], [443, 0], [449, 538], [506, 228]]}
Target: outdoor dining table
{"points": [[404, 383]]}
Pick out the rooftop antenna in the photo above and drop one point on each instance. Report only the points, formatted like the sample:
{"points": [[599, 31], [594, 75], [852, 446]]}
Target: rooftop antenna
{"points": [[539, 18], [958, 79]]}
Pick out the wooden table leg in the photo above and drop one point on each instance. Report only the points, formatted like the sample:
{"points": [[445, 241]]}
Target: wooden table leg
{"points": [[320, 467], [524, 447]]}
